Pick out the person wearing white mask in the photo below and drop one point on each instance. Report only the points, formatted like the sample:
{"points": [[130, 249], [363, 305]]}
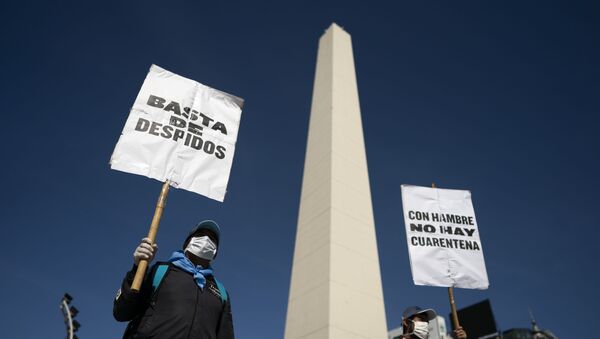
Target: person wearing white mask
{"points": [[415, 324], [180, 298]]}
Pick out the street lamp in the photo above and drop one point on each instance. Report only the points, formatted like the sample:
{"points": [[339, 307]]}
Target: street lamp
{"points": [[69, 312]]}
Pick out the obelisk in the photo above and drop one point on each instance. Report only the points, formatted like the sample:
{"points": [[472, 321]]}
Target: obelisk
{"points": [[335, 290]]}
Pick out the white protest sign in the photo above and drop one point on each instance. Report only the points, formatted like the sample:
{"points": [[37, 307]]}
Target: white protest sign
{"points": [[182, 131], [443, 239]]}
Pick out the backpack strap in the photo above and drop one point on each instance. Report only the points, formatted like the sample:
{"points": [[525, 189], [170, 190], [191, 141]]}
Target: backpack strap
{"points": [[222, 291], [159, 274]]}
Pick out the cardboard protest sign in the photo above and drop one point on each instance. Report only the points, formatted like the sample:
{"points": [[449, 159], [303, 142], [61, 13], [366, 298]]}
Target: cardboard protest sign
{"points": [[181, 131], [443, 238]]}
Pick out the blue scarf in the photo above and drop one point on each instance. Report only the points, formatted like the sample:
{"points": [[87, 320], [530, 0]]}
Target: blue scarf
{"points": [[180, 260]]}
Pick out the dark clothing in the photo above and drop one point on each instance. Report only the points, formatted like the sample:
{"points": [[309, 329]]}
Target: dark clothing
{"points": [[178, 309]]}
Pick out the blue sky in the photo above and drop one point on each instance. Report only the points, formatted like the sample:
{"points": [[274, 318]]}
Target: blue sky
{"points": [[500, 98]]}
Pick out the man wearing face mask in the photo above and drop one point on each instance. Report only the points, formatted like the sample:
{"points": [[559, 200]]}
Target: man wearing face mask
{"points": [[180, 298], [415, 324]]}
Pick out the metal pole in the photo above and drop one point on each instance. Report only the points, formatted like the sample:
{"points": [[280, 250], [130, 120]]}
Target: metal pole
{"points": [[65, 308]]}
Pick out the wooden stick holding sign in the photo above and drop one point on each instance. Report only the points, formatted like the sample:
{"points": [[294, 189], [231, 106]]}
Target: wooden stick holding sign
{"points": [[455, 321], [181, 133], [143, 265], [453, 308]]}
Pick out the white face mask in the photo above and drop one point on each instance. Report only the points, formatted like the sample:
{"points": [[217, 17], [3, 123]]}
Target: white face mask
{"points": [[421, 329], [202, 247]]}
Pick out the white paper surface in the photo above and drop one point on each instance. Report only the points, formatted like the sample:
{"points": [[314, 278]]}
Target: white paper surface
{"points": [[443, 238], [180, 130]]}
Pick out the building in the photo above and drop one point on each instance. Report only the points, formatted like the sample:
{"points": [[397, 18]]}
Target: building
{"points": [[525, 333], [479, 322]]}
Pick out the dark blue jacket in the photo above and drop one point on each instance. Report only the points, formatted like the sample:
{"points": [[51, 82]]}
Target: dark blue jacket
{"points": [[178, 309]]}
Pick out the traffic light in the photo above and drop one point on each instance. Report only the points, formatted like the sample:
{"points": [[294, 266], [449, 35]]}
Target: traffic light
{"points": [[69, 313]]}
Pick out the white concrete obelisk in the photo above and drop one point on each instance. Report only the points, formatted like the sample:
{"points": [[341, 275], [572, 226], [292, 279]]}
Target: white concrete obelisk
{"points": [[335, 290]]}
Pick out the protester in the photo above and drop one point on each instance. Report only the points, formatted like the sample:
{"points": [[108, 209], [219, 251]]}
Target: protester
{"points": [[415, 324], [180, 298]]}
